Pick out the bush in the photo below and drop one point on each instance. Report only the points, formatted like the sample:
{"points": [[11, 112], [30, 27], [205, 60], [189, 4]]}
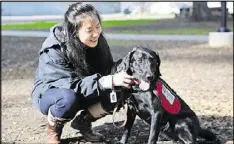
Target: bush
{"points": [[127, 11]]}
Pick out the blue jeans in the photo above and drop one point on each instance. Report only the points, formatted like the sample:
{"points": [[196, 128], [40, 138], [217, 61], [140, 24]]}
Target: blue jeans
{"points": [[64, 103]]}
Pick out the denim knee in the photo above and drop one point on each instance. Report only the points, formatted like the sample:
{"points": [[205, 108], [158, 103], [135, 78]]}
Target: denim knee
{"points": [[63, 103]]}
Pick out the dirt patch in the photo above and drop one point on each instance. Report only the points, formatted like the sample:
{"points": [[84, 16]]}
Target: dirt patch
{"points": [[202, 76]]}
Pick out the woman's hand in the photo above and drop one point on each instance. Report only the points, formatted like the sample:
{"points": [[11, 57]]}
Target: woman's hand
{"points": [[122, 79]]}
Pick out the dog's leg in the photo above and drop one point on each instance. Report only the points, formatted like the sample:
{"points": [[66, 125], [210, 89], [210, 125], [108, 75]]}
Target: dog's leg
{"points": [[154, 127], [184, 133], [131, 115]]}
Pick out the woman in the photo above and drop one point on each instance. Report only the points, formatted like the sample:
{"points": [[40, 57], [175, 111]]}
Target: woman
{"points": [[72, 73]]}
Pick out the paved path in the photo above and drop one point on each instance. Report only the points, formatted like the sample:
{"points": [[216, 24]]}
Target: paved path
{"points": [[116, 36]]}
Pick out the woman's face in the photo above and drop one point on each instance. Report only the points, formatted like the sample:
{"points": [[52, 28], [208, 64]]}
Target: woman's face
{"points": [[90, 31]]}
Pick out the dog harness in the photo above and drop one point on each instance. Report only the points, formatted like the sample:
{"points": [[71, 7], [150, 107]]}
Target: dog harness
{"points": [[167, 96]]}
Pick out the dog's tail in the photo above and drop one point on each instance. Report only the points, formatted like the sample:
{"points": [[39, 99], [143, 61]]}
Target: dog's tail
{"points": [[208, 136]]}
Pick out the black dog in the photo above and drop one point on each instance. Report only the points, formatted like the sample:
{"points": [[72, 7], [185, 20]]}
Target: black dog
{"points": [[126, 64], [157, 104]]}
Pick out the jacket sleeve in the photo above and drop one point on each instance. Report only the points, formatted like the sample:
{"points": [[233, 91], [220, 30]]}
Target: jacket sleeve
{"points": [[54, 71]]}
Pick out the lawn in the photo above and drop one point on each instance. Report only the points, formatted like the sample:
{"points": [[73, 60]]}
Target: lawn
{"points": [[121, 23], [185, 31], [45, 24]]}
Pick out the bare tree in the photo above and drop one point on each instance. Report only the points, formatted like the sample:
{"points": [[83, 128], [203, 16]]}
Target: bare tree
{"points": [[140, 7], [201, 12]]}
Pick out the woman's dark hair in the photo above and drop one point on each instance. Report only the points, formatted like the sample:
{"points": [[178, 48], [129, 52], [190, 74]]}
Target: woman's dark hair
{"points": [[85, 61]]}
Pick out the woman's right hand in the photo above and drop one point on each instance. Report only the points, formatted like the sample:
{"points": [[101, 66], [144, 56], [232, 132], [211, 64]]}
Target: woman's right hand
{"points": [[122, 79]]}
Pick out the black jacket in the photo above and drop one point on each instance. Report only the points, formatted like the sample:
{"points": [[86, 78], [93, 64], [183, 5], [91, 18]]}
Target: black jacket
{"points": [[55, 71]]}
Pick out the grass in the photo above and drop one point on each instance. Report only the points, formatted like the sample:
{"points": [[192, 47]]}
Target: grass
{"points": [[185, 31], [114, 23], [47, 25], [34, 25]]}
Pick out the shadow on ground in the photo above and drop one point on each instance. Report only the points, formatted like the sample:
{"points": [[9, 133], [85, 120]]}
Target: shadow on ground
{"points": [[221, 126]]}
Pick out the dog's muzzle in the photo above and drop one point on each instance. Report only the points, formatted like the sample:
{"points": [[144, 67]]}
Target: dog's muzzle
{"points": [[143, 87]]}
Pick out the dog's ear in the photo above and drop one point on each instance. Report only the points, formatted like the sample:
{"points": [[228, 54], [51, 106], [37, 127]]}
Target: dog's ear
{"points": [[124, 66], [135, 48], [158, 63]]}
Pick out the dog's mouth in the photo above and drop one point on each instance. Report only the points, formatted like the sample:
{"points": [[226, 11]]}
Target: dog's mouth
{"points": [[142, 84]]}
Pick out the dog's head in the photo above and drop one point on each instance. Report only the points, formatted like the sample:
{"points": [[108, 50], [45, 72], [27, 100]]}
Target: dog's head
{"points": [[142, 64]]}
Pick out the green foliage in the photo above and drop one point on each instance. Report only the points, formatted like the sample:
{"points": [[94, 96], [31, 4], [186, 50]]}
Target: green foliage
{"points": [[112, 23], [187, 31], [127, 11], [115, 23], [47, 25], [33, 25]]}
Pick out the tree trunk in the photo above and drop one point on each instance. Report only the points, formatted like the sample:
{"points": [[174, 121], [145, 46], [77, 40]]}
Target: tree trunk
{"points": [[141, 7], [201, 12]]}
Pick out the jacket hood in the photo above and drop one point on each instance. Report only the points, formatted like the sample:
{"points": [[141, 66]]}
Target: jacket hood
{"points": [[56, 37]]}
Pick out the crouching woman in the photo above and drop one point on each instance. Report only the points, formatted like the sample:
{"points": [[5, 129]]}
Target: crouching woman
{"points": [[73, 72]]}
